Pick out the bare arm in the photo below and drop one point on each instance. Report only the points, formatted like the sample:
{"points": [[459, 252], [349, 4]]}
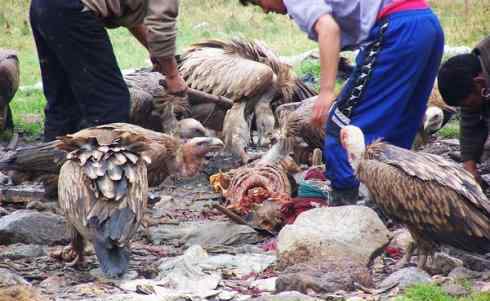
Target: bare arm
{"points": [[139, 32], [328, 32]]}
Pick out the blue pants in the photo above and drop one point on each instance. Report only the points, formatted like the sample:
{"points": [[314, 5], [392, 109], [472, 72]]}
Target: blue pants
{"points": [[394, 96], [82, 81]]}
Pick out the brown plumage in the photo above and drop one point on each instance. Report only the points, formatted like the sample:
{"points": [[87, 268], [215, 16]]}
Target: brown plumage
{"points": [[169, 155], [103, 190], [438, 201], [9, 83], [244, 71]]}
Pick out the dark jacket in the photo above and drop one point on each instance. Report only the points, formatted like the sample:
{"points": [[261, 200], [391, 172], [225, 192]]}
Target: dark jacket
{"points": [[160, 16], [475, 125]]}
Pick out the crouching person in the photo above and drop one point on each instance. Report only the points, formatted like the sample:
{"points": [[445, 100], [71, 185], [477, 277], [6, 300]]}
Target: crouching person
{"points": [[464, 81]]}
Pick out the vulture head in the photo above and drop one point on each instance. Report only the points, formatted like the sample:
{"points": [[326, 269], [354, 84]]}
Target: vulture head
{"points": [[190, 128], [352, 140], [433, 119], [193, 153]]}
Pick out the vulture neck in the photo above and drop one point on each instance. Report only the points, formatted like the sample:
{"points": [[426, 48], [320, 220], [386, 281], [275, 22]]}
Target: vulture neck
{"points": [[188, 162]]}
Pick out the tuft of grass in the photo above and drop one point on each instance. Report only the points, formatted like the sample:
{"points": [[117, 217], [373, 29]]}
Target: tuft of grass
{"points": [[28, 112], [430, 292], [450, 130]]}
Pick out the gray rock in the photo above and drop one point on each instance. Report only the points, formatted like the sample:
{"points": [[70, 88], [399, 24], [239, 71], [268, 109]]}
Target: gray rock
{"points": [[406, 277], [335, 232], [32, 227], [443, 263], [19, 251], [9, 278], [3, 212], [207, 235], [461, 273], [286, 296], [473, 262], [324, 276], [455, 288]]}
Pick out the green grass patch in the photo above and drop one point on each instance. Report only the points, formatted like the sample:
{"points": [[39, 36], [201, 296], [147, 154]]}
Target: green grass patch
{"points": [[450, 130], [28, 112], [428, 292]]}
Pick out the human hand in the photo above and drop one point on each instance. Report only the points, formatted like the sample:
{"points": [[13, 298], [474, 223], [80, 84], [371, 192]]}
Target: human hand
{"points": [[321, 108], [175, 84]]}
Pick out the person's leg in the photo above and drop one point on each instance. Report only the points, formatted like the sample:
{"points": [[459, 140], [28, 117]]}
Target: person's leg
{"points": [[82, 46], [62, 112], [383, 83]]}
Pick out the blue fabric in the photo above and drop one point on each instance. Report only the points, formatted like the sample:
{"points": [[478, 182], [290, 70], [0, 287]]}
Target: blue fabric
{"points": [[395, 98]]}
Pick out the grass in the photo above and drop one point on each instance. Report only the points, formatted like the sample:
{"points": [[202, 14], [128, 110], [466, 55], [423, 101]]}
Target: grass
{"points": [[209, 19], [428, 292], [450, 130]]}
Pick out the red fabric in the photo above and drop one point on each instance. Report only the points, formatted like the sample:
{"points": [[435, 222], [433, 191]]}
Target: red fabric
{"points": [[402, 5], [290, 211], [393, 252], [315, 173]]}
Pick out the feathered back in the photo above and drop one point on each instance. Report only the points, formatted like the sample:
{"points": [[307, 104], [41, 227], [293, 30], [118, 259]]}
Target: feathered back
{"points": [[9, 74], [240, 68], [104, 180]]}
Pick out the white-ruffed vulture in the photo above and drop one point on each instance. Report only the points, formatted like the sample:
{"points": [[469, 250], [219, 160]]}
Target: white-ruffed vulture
{"points": [[9, 83], [438, 201], [243, 71]]}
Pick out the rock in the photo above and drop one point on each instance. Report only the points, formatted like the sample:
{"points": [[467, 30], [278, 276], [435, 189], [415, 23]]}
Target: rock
{"points": [[455, 288], [327, 275], [19, 251], [481, 286], [53, 284], [8, 279], [32, 227], [405, 278], [5, 179], [207, 235], [98, 274], [22, 193], [462, 273], [443, 263], [286, 296], [165, 202], [3, 212], [333, 232], [450, 142], [265, 285], [227, 295], [401, 240], [473, 262]]}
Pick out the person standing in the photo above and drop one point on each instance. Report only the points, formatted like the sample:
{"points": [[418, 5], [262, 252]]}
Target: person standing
{"points": [[401, 45], [82, 81]]}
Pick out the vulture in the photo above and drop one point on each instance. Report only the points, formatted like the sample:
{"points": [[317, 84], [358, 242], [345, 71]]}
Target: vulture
{"points": [[437, 200], [169, 155], [437, 115], [9, 83], [103, 190], [246, 72]]}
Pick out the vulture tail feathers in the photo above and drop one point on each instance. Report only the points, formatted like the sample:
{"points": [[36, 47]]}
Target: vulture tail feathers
{"points": [[113, 259]]}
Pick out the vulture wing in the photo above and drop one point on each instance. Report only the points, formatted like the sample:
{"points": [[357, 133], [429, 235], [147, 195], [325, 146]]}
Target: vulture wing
{"points": [[435, 198]]}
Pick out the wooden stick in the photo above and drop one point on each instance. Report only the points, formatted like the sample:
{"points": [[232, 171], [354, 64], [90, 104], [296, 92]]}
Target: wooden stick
{"points": [[239, 220], [196, 97]]}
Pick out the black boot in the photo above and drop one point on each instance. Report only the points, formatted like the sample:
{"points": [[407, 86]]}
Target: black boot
{"points": [[341, 197]]}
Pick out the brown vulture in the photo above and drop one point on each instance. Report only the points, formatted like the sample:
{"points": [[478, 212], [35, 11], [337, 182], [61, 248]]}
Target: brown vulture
{"points": [[438, 201], [246, 72], [169, 155], [103, 191], [9, 83]]}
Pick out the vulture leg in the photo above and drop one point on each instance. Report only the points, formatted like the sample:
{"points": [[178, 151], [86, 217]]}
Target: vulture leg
{"points": [[264, 118], [422, 260], [75, 249]]}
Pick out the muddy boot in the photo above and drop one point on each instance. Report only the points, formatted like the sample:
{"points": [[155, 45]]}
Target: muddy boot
{"points": [[344, 197]]}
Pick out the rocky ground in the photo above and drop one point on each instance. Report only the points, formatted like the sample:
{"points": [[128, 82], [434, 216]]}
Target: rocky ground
{"points": [[190, 251]]}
